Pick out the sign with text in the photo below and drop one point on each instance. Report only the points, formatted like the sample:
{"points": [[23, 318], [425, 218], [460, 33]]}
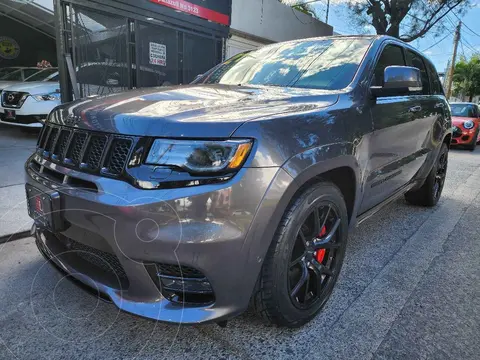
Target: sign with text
{"points": [[193, 9], [158, 54]]}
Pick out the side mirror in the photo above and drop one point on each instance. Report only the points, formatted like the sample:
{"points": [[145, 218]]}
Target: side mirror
{"points": [[398, 81]]}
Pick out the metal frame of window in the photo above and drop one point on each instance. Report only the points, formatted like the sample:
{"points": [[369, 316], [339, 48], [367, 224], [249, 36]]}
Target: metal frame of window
{"points": [[65, 34]]}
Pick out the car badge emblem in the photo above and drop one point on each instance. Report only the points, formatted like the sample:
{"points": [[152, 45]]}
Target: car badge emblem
{"points": [[11, 97], [38, 204]]}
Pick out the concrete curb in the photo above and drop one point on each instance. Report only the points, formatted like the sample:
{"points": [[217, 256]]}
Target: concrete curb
{"points": [[15, 236]]}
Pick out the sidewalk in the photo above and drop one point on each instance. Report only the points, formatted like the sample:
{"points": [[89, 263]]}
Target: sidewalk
{"points": [[15, 148]]}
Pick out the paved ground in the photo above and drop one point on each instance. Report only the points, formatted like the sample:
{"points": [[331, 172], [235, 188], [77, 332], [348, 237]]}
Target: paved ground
{"points": [[15, 147], [410, 289]]}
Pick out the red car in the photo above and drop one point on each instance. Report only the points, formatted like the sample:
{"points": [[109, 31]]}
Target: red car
{"points": [[466, 122]]}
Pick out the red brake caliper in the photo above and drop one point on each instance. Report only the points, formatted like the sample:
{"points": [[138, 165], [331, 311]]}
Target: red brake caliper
{"points": [[321, 253]]}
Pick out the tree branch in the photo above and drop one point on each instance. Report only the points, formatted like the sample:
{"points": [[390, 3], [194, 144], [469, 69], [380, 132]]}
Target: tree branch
{"points": [[429, 23]]}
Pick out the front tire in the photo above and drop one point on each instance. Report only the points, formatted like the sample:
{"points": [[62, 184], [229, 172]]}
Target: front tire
{"points": [[304, 260], [430, 192]]}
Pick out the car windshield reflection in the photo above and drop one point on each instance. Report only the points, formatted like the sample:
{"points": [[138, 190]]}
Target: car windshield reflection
{"points": [[328, 64]]}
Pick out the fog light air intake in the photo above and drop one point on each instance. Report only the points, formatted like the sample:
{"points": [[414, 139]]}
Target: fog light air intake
{"points": [[181, 284]]}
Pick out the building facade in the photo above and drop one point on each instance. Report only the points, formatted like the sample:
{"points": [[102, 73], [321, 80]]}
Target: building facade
{"points": [[110, 46], [259, 22]]}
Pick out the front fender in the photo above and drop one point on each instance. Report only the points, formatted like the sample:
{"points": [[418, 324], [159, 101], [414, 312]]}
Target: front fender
{"points": [[320, 160]]}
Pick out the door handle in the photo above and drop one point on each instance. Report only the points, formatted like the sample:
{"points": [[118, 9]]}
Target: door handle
{"points": [[439, 105], [415, 109]]}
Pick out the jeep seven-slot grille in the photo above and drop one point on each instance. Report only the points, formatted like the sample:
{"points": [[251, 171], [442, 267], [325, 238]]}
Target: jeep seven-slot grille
{"points": [[85, 150]]}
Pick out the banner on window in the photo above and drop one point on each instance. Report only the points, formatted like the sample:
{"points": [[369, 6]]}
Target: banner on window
{"points": [[158, 54]]}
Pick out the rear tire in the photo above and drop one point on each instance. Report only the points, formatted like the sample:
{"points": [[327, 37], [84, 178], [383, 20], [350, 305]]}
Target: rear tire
{"points": [[298, 253], [430, 192]]}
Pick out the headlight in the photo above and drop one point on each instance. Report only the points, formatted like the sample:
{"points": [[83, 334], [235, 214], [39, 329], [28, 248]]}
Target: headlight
{"points": [[197, 156], [468, 124], [47, 97]]}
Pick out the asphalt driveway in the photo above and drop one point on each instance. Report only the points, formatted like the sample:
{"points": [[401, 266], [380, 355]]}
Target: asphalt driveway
{"points": [[410, 289]]}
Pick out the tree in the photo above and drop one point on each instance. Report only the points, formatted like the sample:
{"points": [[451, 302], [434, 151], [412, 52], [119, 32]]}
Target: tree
{"points": [[466, 78], [404, 19], [302, 6], [305, 9]]}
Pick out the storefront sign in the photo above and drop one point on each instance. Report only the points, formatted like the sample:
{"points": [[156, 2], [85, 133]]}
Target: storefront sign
{"points": [[158, 54], [196, 10], [9, 48]]}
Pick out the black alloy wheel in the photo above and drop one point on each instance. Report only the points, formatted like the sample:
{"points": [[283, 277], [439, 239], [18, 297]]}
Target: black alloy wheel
{"points": [[431, 190], [305, 257], [440, 175], [313, 263]]}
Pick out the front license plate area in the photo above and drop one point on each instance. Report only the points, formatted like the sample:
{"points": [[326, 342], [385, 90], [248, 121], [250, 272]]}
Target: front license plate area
{"points": [[10, 114], [44, 208]]}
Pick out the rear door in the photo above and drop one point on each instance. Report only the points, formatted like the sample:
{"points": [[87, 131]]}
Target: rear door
{"points": [[430, 114], [395, 139]]}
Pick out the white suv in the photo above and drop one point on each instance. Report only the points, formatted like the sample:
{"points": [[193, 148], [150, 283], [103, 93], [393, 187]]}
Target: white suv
{"points": [[28, 103]]}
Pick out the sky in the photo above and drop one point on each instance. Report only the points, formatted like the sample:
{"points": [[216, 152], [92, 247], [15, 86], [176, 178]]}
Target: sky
{"points": [[439, 53]]}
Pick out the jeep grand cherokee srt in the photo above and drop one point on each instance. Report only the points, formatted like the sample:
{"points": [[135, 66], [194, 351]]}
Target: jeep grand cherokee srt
{"points": [[186, 204]]}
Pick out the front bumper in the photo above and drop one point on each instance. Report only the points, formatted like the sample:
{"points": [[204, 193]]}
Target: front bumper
{"points": [[217, 229], [465, 137]]}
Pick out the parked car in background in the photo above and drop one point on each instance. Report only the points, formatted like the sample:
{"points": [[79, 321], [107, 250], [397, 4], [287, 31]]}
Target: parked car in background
{"points": [[185, 204], [28, 103], [466, 124]]}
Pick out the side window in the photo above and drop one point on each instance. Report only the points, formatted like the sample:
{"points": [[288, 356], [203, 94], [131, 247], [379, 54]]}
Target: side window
{"points": [[391, 56], [435, 83], [415, 60]]}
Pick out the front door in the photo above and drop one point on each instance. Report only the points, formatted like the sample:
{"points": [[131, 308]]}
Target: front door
{"points": [[395, 139]]}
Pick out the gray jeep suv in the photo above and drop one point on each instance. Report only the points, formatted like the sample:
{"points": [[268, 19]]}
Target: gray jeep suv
{"points": [[185, 204]]}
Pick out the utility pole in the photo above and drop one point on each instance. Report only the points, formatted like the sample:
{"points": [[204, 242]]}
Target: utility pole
{"points": [[328, 10], [454, 59], [445, 76]]}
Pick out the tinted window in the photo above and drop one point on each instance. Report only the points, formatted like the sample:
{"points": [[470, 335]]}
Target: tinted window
{"points": [[5, 71], [318, 64], [416, 61], [436, 87], [14, 76], [391, 56], [465, 110]]}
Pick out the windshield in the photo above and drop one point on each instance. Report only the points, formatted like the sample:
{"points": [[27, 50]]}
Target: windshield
{"points": [[328, 64], [464, 110], [5, 71], [42, 75], [17, 75]]}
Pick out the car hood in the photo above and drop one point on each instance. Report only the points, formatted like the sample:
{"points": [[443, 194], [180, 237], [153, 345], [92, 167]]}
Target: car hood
{"points": [[35, 87], [4, 84], [189, 111], [459, 120]]}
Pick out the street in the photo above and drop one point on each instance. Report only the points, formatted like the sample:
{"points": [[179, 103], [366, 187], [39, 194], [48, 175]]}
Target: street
{"points": [[409, 288]]}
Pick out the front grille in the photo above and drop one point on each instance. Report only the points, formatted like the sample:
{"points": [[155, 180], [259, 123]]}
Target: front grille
{"points": [[13, 99], [100, 153], [118, 156], [94, 151]]}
